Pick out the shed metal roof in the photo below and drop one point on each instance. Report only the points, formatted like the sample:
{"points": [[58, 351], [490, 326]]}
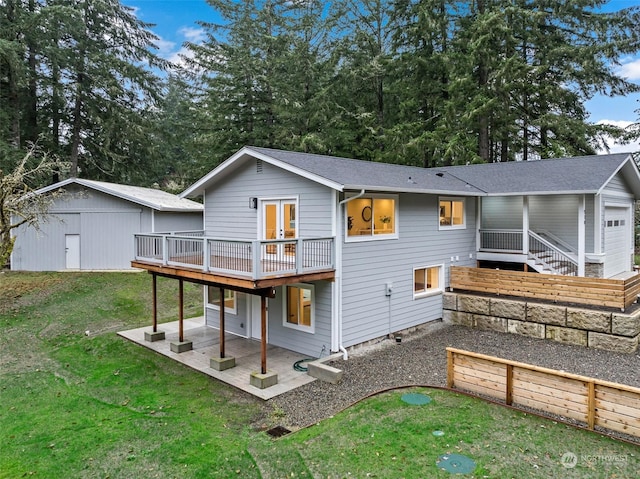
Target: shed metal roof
{"points": [[155, 199]]}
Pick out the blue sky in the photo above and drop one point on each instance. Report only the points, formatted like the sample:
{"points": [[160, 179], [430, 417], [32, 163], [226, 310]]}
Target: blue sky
{"points": [[175, 22]]}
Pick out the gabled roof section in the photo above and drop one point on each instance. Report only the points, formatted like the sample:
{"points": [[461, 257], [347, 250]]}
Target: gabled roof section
{"points": [[155, 199], [576, 175], [342, 174]]}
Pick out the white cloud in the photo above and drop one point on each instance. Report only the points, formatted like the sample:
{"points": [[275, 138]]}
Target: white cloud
{"points": [[630, 70], [194, 35], [615, 146]]}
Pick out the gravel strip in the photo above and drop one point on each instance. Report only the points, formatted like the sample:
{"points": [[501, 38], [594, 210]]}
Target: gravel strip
{"points": [[420, 359]]}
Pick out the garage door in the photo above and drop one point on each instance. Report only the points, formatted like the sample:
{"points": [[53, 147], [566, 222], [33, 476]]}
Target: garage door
{"points": [[616, 241]]}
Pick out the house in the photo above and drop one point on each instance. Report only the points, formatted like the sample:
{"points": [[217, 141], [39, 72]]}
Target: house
{"points": [[91, 226], [316, 253]]}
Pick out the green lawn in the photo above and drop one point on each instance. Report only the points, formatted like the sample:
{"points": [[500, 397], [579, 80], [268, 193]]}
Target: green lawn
{"points": [[77, 405]]}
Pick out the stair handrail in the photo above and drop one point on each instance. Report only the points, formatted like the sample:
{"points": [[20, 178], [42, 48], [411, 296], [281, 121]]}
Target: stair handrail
{"points": [[554, 250], [558, 240]]}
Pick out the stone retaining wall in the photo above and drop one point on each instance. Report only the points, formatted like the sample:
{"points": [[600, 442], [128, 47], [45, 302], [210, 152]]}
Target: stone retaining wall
{"points": [[585, 327]]}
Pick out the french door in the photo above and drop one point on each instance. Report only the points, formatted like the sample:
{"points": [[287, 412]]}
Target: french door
{"points": [[279, 222]]}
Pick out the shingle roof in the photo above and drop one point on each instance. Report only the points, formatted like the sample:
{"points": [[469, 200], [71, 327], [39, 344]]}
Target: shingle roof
{"points": [[152, 198], [585, 174]]}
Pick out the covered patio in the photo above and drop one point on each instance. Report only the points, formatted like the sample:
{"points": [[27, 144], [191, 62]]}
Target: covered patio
{"points": [[247, 354]]}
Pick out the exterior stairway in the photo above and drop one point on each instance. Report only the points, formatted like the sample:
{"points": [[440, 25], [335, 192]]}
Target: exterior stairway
{"points": [[548, 258]]}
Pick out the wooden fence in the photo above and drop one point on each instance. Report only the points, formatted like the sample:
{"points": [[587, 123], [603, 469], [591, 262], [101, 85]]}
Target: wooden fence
{"points": [[614, 293], [593, 402]]}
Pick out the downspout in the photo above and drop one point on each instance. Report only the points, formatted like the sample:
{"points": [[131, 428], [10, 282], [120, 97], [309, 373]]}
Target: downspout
{"points": [[340, 234]]}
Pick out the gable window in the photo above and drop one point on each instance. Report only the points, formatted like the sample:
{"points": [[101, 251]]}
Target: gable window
{"points": [[299, 311], [372, 217], [428, 281], [213, 299], [452, 213]]}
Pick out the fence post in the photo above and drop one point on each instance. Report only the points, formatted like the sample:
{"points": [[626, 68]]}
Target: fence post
{"points": [[508, 399], [449, 368], [591, 404]]}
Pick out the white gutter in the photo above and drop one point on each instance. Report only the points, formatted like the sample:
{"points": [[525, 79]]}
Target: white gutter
{"points": [[338, 282]]}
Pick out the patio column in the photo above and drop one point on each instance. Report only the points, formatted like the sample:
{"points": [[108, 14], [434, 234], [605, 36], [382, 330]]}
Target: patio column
{"points": [[181, 345], [154, 302], [581, 235], [263, 334], [222, 323], [180, 311], [222, 363]]}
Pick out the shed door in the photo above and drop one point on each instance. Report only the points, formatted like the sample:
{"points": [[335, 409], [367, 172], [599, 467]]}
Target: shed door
{"points": [[616, 240], [72, 251]]}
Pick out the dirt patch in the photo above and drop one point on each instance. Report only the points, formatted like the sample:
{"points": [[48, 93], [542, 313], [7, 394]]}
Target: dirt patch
{"points": [[17, 289]]}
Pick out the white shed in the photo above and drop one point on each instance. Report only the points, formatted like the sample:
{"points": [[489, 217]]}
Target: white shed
{"points": [[91, 227]]}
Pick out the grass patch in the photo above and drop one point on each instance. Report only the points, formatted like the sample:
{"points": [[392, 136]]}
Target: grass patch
{"points": [[77, 405], [385, 437]]}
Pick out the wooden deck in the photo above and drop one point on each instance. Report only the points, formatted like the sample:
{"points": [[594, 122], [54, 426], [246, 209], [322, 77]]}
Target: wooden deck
{"points": [[246, 352]]}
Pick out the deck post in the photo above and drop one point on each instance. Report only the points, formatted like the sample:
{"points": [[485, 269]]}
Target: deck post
{"points": [[154, 302], [222, 322], [154, 334], [263, 334], [181, 310], [181, 346], [525, 225]]}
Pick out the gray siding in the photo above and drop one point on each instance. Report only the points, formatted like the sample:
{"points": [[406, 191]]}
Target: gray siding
{"points": [[106, 225], [175, 221], [617, 185], [502, 212], [236, 323], [556, 214], [227, 212], [44, 250], [367, 266], [228, 215], [301, 341]]}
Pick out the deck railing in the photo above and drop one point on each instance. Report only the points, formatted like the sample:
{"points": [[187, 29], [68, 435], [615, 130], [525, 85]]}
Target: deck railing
{"points": [[501, 240], [246, 258]]}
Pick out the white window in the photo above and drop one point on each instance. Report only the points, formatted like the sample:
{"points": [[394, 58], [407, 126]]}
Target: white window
{"points": [[372, 217], [428, 281], [452, 213], [213, 299], [299, 310]]}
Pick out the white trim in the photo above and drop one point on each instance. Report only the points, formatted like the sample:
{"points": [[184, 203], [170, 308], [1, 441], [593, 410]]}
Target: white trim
{"points": [[199, 186], [620, 166], [462, 199], [598, 224], [432, 291], [215, 307], [106, 188], [373, 237], [581, 234], [306, 329]]}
